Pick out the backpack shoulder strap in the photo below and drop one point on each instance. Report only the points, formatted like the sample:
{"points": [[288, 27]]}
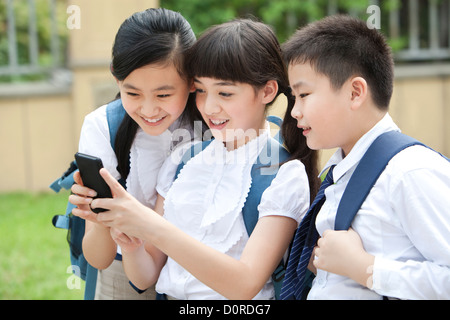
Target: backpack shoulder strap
{"points": [[263, 172], [278, 121], [367, 172], [114, 114]]}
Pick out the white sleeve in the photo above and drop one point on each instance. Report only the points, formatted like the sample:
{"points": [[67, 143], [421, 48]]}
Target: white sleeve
{"points": [[94, 139], [288, 194]]}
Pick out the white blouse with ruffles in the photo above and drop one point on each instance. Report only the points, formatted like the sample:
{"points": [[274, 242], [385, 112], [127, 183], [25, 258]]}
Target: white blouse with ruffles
{"points": [[206, 202]]}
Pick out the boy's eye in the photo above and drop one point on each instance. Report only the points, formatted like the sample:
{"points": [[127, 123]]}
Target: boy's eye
{"points": [[132, 94], [199, 90], [303, 95], [225, 94], [164, 95]]}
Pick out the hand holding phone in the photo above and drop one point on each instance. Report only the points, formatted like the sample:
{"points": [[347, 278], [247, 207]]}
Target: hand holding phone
{"points": [[89, 167]]}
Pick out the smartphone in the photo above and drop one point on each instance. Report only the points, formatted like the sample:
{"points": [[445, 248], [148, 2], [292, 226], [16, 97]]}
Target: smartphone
{"points": [[89, 167]]}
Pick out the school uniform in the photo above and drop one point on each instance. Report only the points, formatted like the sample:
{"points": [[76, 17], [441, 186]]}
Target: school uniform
{"points": [[404, 222], [147, 154], [206, 202]]}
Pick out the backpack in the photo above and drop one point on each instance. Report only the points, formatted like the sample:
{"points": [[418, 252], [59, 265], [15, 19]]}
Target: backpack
{"points": [[75, 226], [372, 164], [262, 175]]}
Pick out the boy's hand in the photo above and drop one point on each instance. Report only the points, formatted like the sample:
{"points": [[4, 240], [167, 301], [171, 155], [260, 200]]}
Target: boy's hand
{"points": [[342, 252]]}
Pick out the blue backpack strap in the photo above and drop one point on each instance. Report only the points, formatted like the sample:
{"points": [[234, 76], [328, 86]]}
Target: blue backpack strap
{"points": [[367, 172], [262, 174], [64, 182], [278, 121], [114, 114]]}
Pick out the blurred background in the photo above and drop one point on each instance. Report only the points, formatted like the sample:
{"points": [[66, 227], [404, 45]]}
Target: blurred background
{"points": [[54, 69], [55, 55]]}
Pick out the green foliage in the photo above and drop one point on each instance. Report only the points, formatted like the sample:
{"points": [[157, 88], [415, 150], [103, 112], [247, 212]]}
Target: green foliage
{"points": [[34, 254], [44, 31], [284, 15]]}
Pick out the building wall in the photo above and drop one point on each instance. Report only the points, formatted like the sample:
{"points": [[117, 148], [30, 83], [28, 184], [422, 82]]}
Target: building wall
{"points": [[40, 122]]}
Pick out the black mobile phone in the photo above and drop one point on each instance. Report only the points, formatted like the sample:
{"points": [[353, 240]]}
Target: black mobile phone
{"points": [[89, 167]]}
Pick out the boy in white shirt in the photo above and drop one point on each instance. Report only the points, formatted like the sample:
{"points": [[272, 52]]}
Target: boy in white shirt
{"points": [[341, 74]]}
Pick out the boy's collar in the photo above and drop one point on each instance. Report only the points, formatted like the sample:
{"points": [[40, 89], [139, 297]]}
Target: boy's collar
{"points": [[343, 165]]}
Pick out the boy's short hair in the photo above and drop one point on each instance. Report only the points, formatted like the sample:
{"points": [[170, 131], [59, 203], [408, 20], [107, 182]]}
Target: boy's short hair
{"points": [[340, 47]]}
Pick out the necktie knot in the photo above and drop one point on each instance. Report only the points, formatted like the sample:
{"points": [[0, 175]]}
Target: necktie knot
{"points": [[328, 179], [325, 184]]}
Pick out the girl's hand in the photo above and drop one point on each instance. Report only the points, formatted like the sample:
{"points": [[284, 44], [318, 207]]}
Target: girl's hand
{"points": [[82, 197], [126, 243], [342, 252], [125, 213]]}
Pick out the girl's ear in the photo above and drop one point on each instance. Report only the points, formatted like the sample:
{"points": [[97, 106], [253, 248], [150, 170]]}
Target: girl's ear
{"points": [[117, 80], [359, 92], [191, 86], [270, 91]]}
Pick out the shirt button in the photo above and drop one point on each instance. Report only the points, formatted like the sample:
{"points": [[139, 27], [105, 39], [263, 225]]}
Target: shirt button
{"points": [[321, 281]]}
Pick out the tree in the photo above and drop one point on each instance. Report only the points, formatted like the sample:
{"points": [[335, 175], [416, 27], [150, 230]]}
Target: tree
{"points": [[285, 16]]}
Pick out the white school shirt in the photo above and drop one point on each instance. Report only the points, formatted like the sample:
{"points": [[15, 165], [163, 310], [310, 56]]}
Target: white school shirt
{"points": [[206, 202], [147, 154], [404, 223]]}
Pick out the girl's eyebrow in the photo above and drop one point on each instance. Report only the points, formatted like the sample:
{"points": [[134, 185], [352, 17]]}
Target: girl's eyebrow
{"points": [[220, 83], [162, 88]]}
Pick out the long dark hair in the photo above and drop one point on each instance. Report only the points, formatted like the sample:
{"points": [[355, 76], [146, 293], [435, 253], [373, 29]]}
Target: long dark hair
{"points": [[147, 37], [247, 51]]}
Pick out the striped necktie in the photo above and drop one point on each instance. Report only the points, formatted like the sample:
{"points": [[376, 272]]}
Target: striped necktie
{"points": [[303, 245]]}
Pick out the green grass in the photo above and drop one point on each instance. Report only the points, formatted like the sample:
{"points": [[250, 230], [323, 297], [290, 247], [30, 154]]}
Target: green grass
{"points": [[34, 255]]}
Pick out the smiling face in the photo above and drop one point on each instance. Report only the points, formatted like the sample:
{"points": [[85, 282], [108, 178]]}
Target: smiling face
{"points": [[322, 112], [233, 111], [154, 96]]}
